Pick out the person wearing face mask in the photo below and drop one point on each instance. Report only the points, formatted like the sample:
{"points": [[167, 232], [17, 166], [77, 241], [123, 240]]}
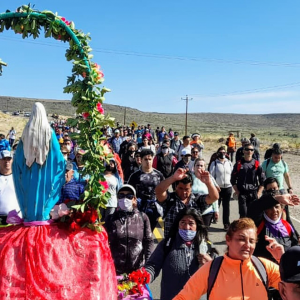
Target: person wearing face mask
{"points": [[165, 161], [221, 170], [238, 274], [180, 255], [186, 157], [129, 233], [267, 214]]}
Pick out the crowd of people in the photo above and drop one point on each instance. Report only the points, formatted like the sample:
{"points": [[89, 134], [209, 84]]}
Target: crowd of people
{"points": [[153, 174]]}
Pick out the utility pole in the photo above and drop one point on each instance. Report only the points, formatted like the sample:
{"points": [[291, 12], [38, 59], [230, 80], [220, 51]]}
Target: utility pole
{"points": [[125, 116], [186, 99]]}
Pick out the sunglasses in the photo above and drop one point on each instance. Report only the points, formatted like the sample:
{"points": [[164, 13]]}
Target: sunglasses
{"points": [[122, 196], [195, 151], [222, 152], [248, 149]]}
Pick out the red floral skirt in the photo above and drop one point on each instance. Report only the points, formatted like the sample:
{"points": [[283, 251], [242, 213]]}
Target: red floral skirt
{"points": [[48, 262]]}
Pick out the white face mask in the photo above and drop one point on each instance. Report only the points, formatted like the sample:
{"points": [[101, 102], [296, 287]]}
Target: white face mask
{"points": [[68, 147], [164, 150], [125, 204]]}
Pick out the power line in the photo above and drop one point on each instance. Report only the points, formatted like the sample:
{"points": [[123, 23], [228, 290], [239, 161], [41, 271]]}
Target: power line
{"points": [[170, 57], [250, 91]]}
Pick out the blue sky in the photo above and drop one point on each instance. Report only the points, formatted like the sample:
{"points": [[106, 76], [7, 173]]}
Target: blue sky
{"points": [[229, 56]]}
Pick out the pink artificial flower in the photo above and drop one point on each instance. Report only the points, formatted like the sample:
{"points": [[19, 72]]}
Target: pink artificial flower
{"points": [[85, 115], [83, 74], [105, 186], [100, 108], [59, 210]]}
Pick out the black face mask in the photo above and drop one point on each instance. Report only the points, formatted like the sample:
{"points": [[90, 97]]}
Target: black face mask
{"points": [[130, 151], [221, 155]]}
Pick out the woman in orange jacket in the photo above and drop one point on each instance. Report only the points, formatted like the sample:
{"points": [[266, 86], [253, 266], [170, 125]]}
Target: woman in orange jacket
{"points": [[238, 276]]}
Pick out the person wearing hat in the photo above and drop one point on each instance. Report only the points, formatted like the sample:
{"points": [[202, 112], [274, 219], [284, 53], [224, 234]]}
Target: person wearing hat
{"points": [[240, 151], [72, 189], [116, 141], [175, 142], [184, 162], [8, 198], [197, 143], [147, 135], [129, 233], [165, 161], [289, 286]]}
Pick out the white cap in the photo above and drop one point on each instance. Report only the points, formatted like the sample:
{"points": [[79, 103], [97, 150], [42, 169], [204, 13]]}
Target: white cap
{"points": [[186, 151], [5, 153], [127, 186]]}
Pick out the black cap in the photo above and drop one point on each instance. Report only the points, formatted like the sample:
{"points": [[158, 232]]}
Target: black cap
{"points": [[290, 265]]}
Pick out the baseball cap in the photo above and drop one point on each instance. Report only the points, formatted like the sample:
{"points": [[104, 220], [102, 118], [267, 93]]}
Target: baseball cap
{"points": [[69, 166], [117, 131], [186, 152], [290, 265], [5, 153], [176, 133], [165, 145], [127, 187]]}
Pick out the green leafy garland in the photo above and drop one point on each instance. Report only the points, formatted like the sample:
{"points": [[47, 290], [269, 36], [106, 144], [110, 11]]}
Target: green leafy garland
{"points": [[87, 95]]}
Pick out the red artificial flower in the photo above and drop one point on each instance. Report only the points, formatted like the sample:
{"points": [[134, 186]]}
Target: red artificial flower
{"points": [[85, 115], [83, 74], [90, 216], [105, 186], [100, 108], [65, 21], [74, 226]]}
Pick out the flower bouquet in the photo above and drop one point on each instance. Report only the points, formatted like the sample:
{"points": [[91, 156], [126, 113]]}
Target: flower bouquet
{"points": [[134, 286]]}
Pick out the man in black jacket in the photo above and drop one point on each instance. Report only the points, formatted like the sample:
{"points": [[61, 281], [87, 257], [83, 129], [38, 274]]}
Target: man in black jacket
{"points": [[129, 233], [247, 179]]}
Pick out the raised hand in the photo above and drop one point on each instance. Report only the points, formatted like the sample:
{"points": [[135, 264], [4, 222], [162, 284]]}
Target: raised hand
{"points": [[288, 199], [274, 248], [204, 176], [179, 174]]}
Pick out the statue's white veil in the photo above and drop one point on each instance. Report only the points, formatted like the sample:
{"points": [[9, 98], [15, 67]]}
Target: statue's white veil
{"points": [[36, 136]]}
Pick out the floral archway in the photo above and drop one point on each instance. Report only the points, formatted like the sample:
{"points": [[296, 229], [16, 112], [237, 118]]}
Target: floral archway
{"points": [[83, 84]]}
